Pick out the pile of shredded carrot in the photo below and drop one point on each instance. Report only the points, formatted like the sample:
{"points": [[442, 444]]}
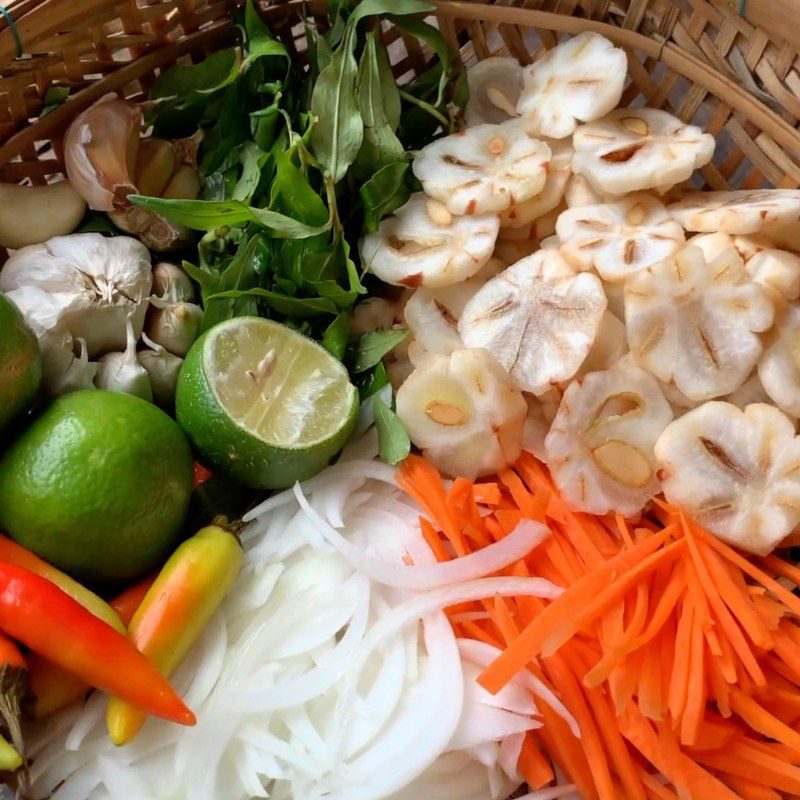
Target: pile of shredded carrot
{"points": [[678, 656]]}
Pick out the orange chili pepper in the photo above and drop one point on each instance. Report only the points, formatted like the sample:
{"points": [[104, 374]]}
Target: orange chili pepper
{"points": [[175, 611]]}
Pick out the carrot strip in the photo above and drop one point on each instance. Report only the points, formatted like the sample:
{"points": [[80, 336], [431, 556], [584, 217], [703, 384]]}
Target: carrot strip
{"points": [[530, 641], [582, 616], [695, 688], [533, 766], [781, 592], [762, 721], [750, 790], [676, 699], [592, 745]]}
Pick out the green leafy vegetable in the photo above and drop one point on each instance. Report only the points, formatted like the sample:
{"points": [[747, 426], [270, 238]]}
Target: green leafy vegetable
{"points": [[393, 442], [338, 129], [336, 335], [373, 346], [383, 194], [204, 215]]}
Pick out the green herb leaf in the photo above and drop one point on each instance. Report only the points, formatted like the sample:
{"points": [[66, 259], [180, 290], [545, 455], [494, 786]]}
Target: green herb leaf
{"points": [[433, 36], [336, 335], [240, 274], [376, 380], [260, 42], [383, 194], [397, 8], [373, 346], [192, 84], [393, 442], [338, 130], [205, 215], [53, 98], [380, 145], [293, 195], [253, 159], [319, 49], [300, 307]]}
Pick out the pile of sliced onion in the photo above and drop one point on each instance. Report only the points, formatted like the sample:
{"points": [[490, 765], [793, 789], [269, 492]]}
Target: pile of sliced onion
{"points": [[330, 672]]}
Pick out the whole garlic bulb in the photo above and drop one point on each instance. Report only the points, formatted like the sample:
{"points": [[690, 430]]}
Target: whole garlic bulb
{"points": [[122, 372], [174, 326], [163, 369], [91, 286], [100, 150]]}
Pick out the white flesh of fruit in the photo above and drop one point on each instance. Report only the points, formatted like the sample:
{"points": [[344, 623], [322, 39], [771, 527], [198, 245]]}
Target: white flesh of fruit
{"points": [[538, 319], [422, 244], [779, 368], [494, 87], [737, 472], [618, 239], [558, 171], [579, 80], [642, 148], [432, 315], [741, 211], [464, 412], [484, 169], [696, 323], [600, 447]]}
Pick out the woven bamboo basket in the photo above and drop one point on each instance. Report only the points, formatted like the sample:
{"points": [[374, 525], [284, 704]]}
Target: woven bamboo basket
{"points": [[730, 66]]}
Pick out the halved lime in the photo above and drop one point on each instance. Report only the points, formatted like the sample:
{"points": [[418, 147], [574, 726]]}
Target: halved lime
{"points": [[264, 404]]}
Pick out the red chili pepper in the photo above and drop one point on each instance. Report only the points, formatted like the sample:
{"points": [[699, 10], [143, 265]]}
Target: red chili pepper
{"points": [[127, 603], [50, 687], [48, 621], [201, 474]]}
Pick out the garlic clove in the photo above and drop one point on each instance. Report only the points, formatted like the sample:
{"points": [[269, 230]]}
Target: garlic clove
{"points": [[163, 369], [183, 185], [154, 166], [79, 373], [100, 149], [122, 372], [494, 87], [34, 214], [465, 413], [172, 283], [174, 326]]}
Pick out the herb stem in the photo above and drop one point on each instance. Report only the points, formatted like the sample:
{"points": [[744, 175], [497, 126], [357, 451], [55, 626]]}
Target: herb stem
{"points": [[425, 107]]}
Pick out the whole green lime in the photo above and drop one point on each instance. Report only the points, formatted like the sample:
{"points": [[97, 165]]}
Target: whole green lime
{"points": [[20, 363], [98, 485], [264, 404]]}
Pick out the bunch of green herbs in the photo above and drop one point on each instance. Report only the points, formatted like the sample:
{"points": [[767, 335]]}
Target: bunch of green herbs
{"points": [[297, 163]]}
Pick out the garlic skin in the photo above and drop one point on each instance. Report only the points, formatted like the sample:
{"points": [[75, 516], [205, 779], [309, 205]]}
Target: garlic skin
{"points": [[163, 369], [122, 372], [174, 326], [79, 374], [100, 149], [92, 285], [172, 283], [34, 214]]}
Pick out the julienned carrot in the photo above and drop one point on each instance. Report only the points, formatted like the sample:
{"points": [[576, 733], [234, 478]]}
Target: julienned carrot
{"points": [[676, 655]]}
